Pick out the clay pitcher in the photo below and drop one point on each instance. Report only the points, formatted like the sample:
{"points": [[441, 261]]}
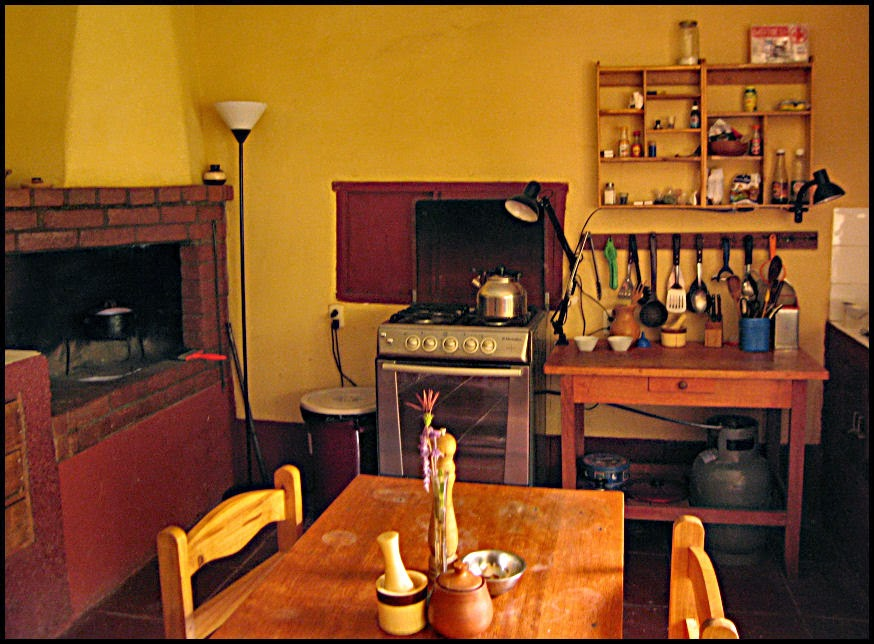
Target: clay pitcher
{"points": [[624, 322]]}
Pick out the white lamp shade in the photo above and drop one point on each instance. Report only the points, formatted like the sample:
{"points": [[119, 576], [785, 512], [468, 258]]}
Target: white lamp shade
{"points": [[240, 115]]}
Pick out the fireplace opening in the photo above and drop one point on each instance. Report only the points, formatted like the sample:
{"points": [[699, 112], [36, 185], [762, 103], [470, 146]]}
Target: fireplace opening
{"points": [[51, 299]]}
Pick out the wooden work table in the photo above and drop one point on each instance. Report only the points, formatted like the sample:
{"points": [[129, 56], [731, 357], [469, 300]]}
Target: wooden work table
{"points": [[572, 543], [695, 376]]}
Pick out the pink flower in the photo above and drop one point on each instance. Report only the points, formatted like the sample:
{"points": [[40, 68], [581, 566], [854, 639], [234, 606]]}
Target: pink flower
{"points": [[428, 439]]}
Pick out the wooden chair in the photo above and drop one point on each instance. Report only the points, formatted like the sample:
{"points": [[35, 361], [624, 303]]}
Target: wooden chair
{"points": [[695, 604], [224, 531]]}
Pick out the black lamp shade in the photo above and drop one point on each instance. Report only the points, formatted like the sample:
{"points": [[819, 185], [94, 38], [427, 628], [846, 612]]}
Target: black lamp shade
{"points": [[525, 206], [825, 189]]}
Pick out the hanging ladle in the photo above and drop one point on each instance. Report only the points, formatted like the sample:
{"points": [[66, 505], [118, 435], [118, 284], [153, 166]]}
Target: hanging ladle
{"points": [[652, 312], [698, 297]]}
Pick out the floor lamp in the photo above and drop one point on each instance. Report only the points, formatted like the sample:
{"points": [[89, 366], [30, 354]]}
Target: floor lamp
{"points": [[241, 117]]}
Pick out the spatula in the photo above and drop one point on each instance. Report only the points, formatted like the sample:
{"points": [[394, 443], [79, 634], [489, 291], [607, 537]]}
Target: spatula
{"points": [[675, 299], [627, 288]]}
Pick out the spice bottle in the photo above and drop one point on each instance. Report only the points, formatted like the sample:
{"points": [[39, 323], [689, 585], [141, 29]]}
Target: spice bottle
{"points": [[624, 143], [756, 141], [636, 145], [780, 180], [751, 99], [695, 116], [609, 194], [798, 175]]}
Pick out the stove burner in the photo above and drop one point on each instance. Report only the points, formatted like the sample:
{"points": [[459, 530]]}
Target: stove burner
{"points": [[430, 314], [455, 314]]}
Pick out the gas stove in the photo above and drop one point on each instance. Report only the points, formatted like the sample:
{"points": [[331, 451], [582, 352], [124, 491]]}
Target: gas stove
{"points": [[457, 332]]}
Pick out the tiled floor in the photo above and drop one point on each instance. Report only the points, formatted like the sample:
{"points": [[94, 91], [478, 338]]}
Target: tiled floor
{"points": [[824, 602]]}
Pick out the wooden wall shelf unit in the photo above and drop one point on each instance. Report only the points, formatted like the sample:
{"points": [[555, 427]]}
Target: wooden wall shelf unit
{"points": [[682, 160]]}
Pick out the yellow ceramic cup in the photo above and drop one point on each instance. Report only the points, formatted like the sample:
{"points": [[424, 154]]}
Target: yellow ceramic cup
{"points": [[402, 613]]}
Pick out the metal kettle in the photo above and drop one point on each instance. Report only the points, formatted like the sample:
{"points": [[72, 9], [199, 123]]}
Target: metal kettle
{"points": [[501, 296]]}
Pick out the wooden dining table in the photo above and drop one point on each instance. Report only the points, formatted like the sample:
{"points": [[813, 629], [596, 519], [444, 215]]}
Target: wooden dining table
{"points": [[571, 540]]}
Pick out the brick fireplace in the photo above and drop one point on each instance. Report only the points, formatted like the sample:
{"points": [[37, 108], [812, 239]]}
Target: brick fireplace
{"points": [[49, 220], [133, 455]]}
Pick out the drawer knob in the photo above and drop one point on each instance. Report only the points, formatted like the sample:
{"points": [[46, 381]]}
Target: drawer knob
{"points": [[682, 384]]}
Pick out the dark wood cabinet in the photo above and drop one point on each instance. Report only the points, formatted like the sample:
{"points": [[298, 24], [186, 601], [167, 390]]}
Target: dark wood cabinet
{"points": [[844, 491], [376, 258]]}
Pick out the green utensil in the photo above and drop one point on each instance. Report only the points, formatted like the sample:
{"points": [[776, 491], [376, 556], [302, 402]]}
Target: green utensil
{"points": [[610, 254]]}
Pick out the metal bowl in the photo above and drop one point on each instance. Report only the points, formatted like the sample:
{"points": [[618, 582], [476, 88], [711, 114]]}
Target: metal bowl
{"points": [[501, 570]]}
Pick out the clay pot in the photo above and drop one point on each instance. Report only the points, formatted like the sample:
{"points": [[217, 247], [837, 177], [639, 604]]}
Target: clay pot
{"points": [[624, 322], [215, 176], [460, 605]]}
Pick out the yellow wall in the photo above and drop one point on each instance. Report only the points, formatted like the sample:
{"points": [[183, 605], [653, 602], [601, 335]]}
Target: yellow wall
{"points": [[124, 96]]}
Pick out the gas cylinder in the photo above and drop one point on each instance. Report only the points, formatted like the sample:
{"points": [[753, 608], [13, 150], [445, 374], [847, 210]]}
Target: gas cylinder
{"points": [[732, 475]]}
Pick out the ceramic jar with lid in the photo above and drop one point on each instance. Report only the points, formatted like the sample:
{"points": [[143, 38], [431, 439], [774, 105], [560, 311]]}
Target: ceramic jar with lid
{"points": [[460, 605]]}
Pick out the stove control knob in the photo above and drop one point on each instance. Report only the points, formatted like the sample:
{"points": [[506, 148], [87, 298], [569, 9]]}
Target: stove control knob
{"points": [[470, 345], [450, 344], [412, 342], [429, 343], [489, 346]]}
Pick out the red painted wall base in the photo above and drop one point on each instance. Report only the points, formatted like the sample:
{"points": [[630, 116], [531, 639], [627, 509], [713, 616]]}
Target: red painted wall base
{"points": [[117, 496]]}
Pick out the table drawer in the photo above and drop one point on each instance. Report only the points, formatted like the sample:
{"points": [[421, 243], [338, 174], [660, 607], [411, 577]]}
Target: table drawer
{"points": [[644, 390]]}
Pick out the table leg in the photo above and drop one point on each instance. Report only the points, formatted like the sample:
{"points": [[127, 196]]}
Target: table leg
{"points": [[795, 482], [572, 417], [773, 424]]}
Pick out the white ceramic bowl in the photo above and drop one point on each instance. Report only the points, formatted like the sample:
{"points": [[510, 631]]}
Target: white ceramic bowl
{"points": [[586, 342], [620, 342]]}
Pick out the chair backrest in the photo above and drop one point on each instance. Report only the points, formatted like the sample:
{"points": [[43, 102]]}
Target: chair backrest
{"points": [[224, 531], [695, 604]]}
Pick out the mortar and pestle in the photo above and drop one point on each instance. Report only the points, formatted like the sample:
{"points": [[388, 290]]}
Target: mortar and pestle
{"points": [[400, 593]]}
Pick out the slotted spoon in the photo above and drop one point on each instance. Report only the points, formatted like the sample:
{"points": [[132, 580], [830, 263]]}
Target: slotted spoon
{"points": [[675, 299]]}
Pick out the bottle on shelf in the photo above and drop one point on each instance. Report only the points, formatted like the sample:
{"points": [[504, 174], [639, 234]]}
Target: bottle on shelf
{"points": [[798, 175], [609, 194], [695, 116], [624, 143], [756, 141], [780, 180], [636, 145], [751, 99]]}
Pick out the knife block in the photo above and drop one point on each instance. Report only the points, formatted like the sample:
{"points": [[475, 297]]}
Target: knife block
{"points": [[713, 334]]}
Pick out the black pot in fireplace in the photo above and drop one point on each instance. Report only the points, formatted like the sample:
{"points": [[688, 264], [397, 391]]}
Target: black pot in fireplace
{"points": [[97, 314]]}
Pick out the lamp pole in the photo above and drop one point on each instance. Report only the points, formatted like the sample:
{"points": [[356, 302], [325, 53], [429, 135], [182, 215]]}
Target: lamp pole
{"points": [[241, 135], [241, 117]]}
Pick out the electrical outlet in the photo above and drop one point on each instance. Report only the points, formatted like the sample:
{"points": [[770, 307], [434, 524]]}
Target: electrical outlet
{"points": [[335, 312]]}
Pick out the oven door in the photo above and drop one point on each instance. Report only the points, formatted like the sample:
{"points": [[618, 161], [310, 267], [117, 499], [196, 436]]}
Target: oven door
{"points": [[487, 408]]}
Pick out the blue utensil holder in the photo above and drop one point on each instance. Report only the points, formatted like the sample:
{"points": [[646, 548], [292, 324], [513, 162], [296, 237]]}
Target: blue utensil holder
{"points": [[755, 334]]}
